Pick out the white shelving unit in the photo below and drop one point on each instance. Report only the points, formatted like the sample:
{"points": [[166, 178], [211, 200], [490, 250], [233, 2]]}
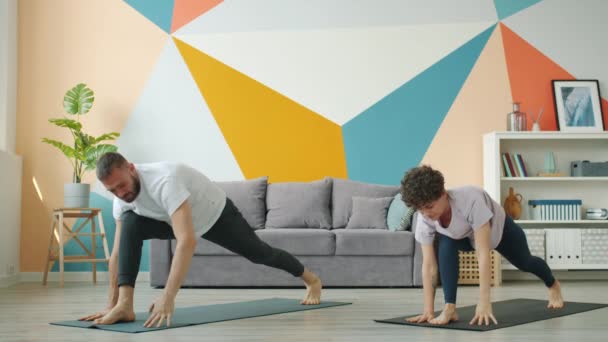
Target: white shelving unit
{"points": [[566, 147]]}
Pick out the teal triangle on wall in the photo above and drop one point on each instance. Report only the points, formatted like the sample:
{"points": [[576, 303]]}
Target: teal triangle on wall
{"points": [[160, 12], [393, 135], [73, 248], [506, 8]]}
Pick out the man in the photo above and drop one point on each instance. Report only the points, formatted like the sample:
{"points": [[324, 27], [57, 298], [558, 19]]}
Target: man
{"points": [[174, 201], [465, 219]]}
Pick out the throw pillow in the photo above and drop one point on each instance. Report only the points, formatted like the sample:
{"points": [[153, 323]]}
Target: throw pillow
{"points": [[408, 219], [299, 205], [342, 197], [396, 214], [249, 196], [369, 213]]}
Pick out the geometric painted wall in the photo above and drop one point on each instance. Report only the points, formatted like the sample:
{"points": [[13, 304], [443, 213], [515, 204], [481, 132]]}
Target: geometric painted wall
{"points": [[299, 90], [291, 95]]}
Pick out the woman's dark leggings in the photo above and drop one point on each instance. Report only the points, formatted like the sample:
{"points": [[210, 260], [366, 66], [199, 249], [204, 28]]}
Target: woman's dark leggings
{"points": [[231, 231], [513, 246]]}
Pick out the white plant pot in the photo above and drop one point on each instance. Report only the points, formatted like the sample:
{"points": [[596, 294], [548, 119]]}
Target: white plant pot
{"points": [[76, 195]]}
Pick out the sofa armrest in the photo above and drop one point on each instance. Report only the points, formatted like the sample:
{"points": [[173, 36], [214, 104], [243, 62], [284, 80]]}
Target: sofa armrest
{"points": [[160, 261], [417, 267]]}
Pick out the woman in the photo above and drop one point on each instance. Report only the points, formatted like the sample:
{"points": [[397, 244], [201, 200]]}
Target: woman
{"points": [[467, 219]]}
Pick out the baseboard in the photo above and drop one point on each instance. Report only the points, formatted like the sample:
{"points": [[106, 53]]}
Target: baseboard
{"points": [[9, 280], [35, 277], [561, 275]]}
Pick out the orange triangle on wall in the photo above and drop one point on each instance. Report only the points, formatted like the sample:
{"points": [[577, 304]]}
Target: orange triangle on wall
{"points": [[185, 11], [530, 74]]}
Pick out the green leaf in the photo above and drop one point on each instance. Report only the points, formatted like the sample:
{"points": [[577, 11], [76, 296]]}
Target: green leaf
{"points": [[67, 150], [94, 153], [69, 123], [78, 100], [107, 136]]}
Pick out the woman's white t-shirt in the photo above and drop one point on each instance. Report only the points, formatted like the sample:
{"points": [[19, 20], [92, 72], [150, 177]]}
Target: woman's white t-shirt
{"points": [[472, 207]]}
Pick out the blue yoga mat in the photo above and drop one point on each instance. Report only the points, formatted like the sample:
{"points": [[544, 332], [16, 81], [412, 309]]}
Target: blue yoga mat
{"points": [[208, 314]]}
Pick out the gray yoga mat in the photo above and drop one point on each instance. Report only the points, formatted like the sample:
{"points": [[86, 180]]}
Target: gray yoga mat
{"points": [[508, 313], [208, 314]]}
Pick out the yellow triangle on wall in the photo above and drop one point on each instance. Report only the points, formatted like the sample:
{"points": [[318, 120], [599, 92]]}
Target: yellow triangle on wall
{"points": [[268, 133]]}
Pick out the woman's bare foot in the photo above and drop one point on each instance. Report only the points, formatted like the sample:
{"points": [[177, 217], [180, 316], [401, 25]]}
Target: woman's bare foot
{"points": [[122, 313], [313, 289], [555, 296], [447, 315]]}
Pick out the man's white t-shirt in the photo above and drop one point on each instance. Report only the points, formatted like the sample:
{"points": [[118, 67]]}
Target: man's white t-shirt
{"points": [[472, 207], [164, 188]]}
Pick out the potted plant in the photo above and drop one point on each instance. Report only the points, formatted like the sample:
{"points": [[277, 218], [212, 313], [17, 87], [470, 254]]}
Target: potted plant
{"points": [[85, 149]]}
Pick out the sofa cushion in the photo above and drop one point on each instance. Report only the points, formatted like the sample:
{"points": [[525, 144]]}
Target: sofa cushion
{"points": [[399, 215], [343, 192], [369, 212], [297, 241], [299, 205], [373, 242], [301, 241], [249, 197]]}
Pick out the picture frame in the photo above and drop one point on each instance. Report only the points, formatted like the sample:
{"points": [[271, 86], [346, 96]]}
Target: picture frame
{"points": [[578, 105]]}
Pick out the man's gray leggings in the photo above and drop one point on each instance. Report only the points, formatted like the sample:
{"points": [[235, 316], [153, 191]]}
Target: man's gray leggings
{"points": [[231, 231]]}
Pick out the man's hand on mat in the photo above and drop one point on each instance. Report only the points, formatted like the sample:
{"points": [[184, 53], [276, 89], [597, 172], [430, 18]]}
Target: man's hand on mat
{"points": [[96, 315], [425, 317], [160, 311], [483, 314]]}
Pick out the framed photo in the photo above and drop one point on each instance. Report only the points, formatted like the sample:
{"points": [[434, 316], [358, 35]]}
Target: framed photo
{"points": [[578, 105]]}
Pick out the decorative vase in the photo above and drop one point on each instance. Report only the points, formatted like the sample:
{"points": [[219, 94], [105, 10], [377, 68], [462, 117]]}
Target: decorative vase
{"points": [[76, 195], [516, 120], [550, 163], [513, 204]]}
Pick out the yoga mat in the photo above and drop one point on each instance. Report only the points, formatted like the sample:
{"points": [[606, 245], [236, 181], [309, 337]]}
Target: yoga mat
{"points": [[208, 314], [508, 313]]}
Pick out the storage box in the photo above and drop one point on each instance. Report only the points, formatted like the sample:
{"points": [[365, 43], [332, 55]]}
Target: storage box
{"points": [[555, 210], [563, 246], [585, 168], [595, 246], [469, 268]]}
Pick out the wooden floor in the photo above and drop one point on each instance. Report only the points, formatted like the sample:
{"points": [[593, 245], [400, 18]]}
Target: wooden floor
{"points": [[26, 309]]}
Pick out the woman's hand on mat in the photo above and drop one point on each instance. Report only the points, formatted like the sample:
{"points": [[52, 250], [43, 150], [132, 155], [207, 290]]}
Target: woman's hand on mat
{"points": [[161, 311], [96, 315], [483, 314], [425, 317]]}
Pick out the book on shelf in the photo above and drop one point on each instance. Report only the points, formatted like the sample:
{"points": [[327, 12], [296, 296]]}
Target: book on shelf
{"points": [[521, 165], [513, 165]]}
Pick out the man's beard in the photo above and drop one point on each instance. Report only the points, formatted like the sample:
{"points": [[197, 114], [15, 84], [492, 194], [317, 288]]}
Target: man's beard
{"points": [[131, 196]]}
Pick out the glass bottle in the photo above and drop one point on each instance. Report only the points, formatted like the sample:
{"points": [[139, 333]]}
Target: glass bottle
{"points": [[516, 120]]}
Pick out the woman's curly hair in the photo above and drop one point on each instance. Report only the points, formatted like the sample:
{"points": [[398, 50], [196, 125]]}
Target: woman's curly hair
{"points": [[421, 185]]}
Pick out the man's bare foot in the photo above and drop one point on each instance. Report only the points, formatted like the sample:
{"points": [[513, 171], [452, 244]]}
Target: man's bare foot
{"points": [[447, 315], [313, 289], [120, 313], [555, 296]]}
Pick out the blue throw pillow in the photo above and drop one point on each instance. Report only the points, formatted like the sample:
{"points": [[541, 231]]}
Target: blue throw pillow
{"points": [[397, 212]]}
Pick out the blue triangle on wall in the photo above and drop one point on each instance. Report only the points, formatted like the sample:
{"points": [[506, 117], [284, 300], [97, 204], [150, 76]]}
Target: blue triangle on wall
{"points": [[506, 8], [393, 134], [160, 12]]}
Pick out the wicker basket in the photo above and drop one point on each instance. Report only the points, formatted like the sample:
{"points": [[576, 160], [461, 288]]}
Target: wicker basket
{"points": [[469, 269]]}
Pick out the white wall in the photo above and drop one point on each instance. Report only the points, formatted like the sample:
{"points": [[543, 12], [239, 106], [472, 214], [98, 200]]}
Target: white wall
{"points": [[10, 164], [8, 74], [10, 217]]}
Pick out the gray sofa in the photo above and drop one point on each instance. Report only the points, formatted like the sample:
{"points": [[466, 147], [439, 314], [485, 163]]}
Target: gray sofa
{"points": [[335, 227]]}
